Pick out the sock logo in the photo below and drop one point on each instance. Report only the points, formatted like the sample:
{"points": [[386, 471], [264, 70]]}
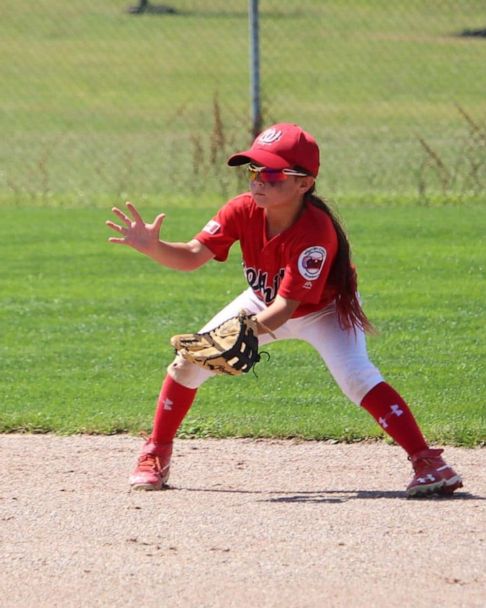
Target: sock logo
{"points": [[394, 411], [168, 403]]}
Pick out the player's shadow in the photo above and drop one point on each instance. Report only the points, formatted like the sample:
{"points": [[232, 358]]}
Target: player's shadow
{"points": [[329, 496], [339, 496]]}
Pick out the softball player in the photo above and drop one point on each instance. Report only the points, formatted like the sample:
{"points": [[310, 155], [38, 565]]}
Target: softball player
{"points": [[301, 285]]}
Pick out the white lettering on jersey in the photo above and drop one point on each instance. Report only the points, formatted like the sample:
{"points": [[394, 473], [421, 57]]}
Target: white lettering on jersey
{"points": [[311, 262], [212, 227], [269, 136], [258, 281]]}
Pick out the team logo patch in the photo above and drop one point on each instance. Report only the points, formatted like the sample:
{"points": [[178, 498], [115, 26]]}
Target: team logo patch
{"points": [[269, 136], [212, 227], [311, 261]]}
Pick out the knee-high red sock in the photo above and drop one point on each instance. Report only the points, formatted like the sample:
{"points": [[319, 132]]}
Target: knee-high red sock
{"points": [[172, 406], [394, 416]]}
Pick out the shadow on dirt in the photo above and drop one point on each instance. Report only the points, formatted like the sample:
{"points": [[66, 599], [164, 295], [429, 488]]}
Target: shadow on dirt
{"points": [[331, 496], [337, 496]]}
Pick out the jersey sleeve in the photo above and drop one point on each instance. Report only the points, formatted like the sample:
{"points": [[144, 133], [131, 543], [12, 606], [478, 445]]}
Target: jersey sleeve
{"points": [[222, 230], [308, 267]]}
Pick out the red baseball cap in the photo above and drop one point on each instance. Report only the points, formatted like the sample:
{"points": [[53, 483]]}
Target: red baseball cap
{"points": [[282, 146]]}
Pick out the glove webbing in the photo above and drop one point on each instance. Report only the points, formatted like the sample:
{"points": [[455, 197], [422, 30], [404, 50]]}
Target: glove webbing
{"points": [[243, 354]]}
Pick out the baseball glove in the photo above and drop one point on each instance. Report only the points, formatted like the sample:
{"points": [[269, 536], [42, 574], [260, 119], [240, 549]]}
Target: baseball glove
{"points": [[231, 348]]}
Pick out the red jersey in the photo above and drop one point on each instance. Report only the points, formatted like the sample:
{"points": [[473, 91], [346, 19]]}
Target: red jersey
{"points": [[294, 264]]}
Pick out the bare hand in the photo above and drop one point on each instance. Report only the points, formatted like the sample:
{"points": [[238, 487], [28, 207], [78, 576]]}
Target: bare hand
{"points": [[136, 233]]}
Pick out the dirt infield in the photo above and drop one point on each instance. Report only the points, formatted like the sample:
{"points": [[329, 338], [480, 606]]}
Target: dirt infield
{"points": [[246, 523]]}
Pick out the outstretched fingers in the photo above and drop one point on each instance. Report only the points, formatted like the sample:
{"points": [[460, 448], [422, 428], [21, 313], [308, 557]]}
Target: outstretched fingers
{"points": [[114, 239], [116, 227], [122, 216], [158, 222], [121, 229], [135, 214], [133, 231]]}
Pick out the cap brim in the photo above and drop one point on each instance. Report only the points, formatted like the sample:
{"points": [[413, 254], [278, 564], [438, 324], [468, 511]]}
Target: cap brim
{"points": [[260, 157]]}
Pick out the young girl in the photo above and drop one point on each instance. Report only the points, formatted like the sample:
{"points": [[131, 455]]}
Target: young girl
{"points": [[302, 285]]}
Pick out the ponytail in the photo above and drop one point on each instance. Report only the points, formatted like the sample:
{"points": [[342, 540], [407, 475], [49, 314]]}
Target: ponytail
{"points": [[342, 276]]}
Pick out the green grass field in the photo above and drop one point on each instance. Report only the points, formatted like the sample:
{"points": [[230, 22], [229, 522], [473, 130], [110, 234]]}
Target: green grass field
{"points": [[85, 329], [97, 106], [95, 101]]}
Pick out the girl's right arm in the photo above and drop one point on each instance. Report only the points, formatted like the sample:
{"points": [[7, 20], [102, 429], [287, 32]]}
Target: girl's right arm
{"points": [[145, 238]]}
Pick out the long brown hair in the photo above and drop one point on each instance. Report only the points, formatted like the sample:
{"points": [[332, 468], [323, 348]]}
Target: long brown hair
{"points": [[342, 276]]}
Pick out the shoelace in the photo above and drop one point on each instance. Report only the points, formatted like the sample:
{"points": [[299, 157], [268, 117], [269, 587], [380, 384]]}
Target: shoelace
{"points": [[436, 463], [149, 462]]}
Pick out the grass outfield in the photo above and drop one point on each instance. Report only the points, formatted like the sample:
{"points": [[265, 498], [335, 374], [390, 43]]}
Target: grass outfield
{"points": [[99, 106], [97, 101], [85, 329]]}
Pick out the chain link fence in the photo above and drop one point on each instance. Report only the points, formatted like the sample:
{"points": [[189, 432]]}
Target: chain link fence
{"points": [[147, 100]]}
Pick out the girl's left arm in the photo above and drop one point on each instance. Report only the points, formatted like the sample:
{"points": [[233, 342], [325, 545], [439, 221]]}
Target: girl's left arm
{"points": [[279, 311]]}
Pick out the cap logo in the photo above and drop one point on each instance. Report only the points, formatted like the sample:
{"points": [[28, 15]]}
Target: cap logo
{"points": [[269, 136]]}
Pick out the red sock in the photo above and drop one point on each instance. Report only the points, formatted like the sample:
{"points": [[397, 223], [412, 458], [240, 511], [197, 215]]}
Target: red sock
{"points": [[394, 416], [173, 404]]}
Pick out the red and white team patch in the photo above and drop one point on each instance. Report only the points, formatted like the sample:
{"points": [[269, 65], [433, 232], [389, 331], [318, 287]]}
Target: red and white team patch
{"points": [[311, 262], [211, 227]]}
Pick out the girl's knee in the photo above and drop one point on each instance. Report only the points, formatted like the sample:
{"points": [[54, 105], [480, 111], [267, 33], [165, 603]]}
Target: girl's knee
{"points": [[356, 384], [186, 373]]}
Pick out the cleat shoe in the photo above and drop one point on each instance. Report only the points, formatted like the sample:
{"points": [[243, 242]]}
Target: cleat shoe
{"points": [[153, 466], [432, 475]]}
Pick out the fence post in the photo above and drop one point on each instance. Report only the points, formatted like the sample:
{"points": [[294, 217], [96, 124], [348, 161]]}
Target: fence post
{"points": [[256, 115]]}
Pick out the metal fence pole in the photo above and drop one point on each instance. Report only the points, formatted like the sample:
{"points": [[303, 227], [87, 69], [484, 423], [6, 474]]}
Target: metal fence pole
{"points": [[256, 115]]}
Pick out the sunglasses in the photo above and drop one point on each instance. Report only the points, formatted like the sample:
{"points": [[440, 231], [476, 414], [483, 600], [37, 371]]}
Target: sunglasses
{"points": [[271, 176]]}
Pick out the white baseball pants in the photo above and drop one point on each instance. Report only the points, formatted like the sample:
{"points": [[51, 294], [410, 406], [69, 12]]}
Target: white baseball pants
{"points": [[343, 351]]}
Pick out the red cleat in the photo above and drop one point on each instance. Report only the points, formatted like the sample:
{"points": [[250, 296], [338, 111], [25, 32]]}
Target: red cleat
{"points": [[432, 475], [153, 466]]}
